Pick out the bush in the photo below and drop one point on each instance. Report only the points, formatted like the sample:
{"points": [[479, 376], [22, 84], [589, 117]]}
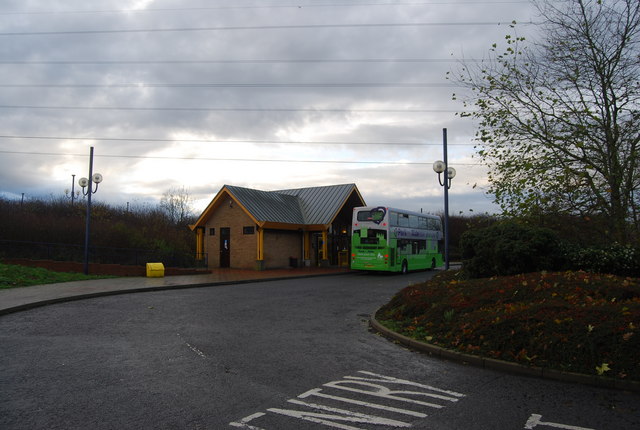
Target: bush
{"points": [[509, 248], [616, 259]]}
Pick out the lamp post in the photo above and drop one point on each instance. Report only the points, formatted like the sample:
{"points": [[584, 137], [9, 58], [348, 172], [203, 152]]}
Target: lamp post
{"points": [[74, 194], [87, 190], [449, 173]]}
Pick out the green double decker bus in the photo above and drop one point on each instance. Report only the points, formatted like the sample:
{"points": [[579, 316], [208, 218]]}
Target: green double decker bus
{"points": [[395, 240]]}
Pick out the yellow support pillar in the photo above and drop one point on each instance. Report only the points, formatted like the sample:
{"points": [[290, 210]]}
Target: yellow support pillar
{"points": [[200, 243], [260, 250]]}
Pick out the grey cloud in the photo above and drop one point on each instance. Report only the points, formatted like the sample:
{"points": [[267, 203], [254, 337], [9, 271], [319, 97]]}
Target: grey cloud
{"points": [[128, 58]]}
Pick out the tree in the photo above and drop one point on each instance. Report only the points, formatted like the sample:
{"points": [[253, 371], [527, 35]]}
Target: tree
{"points": [[176, 204], [559, 118]]}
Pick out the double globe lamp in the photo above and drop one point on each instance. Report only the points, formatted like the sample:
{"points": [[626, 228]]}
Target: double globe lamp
{"points": [[439, 167]]}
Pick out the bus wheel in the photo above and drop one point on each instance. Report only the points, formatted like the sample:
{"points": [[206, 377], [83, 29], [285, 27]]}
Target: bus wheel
{"points": [[405, 268]]}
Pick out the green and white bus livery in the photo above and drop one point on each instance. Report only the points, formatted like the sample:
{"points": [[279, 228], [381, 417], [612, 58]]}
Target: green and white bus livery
{"points": [[395, 240]]}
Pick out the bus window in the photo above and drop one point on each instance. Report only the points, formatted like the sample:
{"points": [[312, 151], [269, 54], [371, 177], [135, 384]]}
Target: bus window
{"points": [[364, 216], [403, 220], [373, 237], [404, 247], [393, 219], [374, 215]]}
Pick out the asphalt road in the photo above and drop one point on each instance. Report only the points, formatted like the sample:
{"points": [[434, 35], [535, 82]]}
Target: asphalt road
{"points": [[294, 354]]}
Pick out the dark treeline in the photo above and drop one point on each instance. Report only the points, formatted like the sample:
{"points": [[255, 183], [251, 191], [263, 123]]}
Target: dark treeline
{"points": [[57, 221], [164, 229]]}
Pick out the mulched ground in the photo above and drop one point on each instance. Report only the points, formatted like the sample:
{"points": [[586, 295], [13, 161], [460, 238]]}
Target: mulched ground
{"points": [[571, 321]]}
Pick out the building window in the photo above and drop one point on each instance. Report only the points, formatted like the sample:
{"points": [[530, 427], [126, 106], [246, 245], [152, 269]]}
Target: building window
{"points": [[248, 230], [212, 231]]}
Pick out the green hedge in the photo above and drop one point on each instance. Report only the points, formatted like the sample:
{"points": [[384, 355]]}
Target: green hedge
{"points": [[617, 259], [510, 248]]}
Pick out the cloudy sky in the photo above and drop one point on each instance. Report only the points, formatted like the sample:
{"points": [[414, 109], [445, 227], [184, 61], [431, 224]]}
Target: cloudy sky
{"points": [[267, 94]]}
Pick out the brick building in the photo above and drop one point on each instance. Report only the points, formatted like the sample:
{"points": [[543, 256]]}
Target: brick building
{"points": [[247, 228]]}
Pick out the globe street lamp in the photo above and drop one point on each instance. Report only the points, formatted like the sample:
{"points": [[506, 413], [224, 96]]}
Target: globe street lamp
{"points": [[74, 193], [441, 167], [87, 190]]}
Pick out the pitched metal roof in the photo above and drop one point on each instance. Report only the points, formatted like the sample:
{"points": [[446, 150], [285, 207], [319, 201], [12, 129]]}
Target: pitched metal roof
{"points": [[319, 205], [310, 206], [268, 205]]}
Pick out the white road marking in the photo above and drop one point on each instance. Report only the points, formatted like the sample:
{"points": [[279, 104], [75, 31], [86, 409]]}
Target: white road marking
{"points": [[196, 350], [317, 392], [243, 422], [344, 415], [534, 421], [389, 379], [193, 348], [346, 419], [384, 392]]}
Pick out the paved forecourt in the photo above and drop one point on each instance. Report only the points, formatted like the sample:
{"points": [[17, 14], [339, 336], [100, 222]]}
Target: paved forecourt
{"points": [[285, 354]]}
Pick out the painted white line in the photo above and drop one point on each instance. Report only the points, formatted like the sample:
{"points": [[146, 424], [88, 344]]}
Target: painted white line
{"points": [[193, 348], [381, 391], [534, 421], [390, 379], [317, 392], [343, 415], [196, 350], [243, 422], [369, 384]]}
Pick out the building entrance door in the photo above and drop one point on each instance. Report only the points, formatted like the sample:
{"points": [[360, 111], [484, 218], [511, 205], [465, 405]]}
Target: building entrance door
{"points": [[317, 248], [225, 247]]}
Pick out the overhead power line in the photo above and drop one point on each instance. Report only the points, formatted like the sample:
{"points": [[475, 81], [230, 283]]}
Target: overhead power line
{"points": [[261, 27], [241, 61], [250, 141], [253, 160], [283, 6], [230, 109], [242, 85]]}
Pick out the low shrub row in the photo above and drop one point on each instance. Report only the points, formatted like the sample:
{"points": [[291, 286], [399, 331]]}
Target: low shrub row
{"points": [[509, 248]]}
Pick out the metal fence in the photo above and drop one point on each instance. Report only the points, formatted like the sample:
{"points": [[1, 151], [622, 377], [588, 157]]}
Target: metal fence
{"points": [[98, 254]]}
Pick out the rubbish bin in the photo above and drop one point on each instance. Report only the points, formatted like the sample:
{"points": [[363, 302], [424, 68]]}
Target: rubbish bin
{"points": [[293, 262], [155, 270]]}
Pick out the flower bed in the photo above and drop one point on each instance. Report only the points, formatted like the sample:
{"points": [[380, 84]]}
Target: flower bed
{"points": [[571, 321]]}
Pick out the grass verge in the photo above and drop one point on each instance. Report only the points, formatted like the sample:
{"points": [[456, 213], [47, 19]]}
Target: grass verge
{"points": [[12, 276], [570, 321]]}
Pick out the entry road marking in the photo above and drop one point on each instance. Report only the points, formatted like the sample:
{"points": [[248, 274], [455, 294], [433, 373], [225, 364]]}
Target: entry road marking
{"points": [[317, 392], [243, 423], [389, 379], [534, 421], [347, 416], [368, 384]]}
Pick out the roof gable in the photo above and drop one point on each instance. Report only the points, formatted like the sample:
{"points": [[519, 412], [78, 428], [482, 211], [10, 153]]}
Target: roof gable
{"points": [[300, 206]]}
